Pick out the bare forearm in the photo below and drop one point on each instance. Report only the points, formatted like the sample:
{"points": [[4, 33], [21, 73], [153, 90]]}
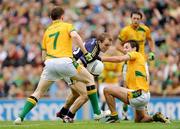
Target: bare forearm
{"points": [[151, 45], [115, 59], [80, 44], [77, 39]]}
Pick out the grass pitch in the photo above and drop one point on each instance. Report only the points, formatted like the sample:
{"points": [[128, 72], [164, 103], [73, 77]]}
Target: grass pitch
{"points": [[87, 125]]}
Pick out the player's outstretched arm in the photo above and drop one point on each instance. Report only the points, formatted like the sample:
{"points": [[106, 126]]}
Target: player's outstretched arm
{"points": [[152, 48], [116, 59], [151, 45]]}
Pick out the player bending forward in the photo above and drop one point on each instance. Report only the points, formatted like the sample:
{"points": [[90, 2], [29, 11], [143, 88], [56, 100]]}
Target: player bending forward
{"points": [[79, 94], [137, 92]]}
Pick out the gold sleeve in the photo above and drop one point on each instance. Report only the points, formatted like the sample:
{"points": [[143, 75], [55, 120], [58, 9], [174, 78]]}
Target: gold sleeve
{"points": [[133, 55]]}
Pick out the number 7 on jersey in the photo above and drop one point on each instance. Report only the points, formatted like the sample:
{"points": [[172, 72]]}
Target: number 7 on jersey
{"points": [[55, 35]]}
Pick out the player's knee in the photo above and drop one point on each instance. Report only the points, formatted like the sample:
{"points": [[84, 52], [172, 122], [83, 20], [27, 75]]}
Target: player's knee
{"points": [[90, 80], [106, 90]]}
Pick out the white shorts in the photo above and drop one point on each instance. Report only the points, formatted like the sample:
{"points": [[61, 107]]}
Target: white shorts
{"points": [[124, 71], [58, 68], [140, 102]]}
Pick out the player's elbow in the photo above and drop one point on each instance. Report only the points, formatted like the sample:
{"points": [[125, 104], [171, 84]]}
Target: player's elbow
{"points": [[74, 35]]}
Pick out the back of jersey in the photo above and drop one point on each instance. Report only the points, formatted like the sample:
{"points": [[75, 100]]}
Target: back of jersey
{"points": [[57, 41]]}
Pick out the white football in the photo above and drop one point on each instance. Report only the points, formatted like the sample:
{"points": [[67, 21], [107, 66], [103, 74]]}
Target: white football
{"points": [[96, 67]]}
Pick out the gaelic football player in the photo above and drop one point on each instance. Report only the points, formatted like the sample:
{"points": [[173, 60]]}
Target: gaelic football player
{"points": [[79, 94], [136, 94], [140, 33]]}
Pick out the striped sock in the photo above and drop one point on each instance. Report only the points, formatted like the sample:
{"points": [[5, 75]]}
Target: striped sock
{"points": [[30, 103], [92, 94]]}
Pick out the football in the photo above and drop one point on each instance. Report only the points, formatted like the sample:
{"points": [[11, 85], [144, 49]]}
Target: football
{"points": [[96, 67]]}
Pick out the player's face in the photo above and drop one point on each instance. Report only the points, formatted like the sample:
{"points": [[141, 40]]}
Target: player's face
{"points": [[135, 19], [127, 47], [104, 46]]}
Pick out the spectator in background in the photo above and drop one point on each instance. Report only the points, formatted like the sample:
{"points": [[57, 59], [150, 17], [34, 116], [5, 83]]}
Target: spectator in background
{"points": [[173, 87], [3, 53]]}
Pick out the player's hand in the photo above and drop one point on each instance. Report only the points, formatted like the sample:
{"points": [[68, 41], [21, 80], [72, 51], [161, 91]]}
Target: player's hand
{"points": [[88, 57], [151, 56]]}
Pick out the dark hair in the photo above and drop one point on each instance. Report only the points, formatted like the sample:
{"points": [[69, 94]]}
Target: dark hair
{"points": [[134, 44], [136, 12], [104, 36], [56, 13]]}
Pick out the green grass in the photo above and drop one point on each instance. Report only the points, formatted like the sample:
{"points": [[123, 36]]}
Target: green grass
{"points": [[87, 125]]}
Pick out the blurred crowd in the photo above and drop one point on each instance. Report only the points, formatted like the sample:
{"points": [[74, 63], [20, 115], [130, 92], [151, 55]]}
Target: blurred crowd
{"points": [[22, 23]]}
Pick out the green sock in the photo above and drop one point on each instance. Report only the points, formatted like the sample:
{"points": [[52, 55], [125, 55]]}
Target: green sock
{"points": [[125, 107], [92, 94], [30, 103]]}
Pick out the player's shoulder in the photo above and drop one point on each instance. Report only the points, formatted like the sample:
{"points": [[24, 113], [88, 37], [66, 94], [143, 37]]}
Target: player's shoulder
{"points": [[66, 24], [139, 56], [134, 54], [126, 28], [143, 26], [91, 41]]}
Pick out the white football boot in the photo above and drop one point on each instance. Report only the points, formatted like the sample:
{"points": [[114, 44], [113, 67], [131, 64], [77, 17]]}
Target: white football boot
{"points": [[18, 121], [102, 115]]}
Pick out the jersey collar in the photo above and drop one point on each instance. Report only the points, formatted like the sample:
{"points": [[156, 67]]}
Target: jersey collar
{"points": [[56, 21], [134, 28]]}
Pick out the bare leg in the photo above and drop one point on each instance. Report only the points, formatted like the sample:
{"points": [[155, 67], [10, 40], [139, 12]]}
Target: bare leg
{"points": [[80, 88], [79, 94], [115, 91], [110, 101], [42, 87], [142, 116], [69, 101], [118, 92], [71, 98], [85, 77]]}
